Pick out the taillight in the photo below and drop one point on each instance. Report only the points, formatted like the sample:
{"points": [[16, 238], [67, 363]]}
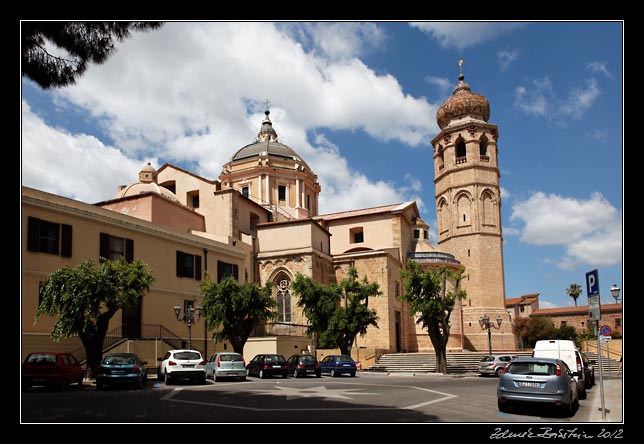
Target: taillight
{"points": [[578, 364], [490, 364], [202, 363], [218, 360], [136, 369], [558, 372], [172, 363], [244, 361], [505, 369], [301, 365], [265, 366]]}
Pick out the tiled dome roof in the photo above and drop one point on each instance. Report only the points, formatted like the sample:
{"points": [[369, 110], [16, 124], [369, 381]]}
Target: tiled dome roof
{"points": [[463, 102]]}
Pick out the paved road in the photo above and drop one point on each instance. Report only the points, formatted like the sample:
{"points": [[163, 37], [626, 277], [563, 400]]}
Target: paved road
{"points": [[367, 398]]}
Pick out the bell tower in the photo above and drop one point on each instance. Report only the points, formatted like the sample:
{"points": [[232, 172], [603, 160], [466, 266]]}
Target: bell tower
{"points": [[468, 211]]}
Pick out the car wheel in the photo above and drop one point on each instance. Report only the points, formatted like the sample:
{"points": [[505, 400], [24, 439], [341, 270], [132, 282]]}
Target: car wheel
{"points": [[352, 374], [79, 381], [284, 375], [502, 406], [261, 374], [333, 373], [139, 383], [166, 378], [247, 372], [582, 393], [99, 386], [318, 375], [215, 378], [202, 381], [243, 378], [592, 380], [295, 375], [498, 372], [566, 408]]}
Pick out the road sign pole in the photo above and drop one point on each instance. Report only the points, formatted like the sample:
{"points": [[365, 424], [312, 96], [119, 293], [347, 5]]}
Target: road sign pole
{"points": [[599, 357]]}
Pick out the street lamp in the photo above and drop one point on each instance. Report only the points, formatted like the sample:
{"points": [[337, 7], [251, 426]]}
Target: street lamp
{"points": [[485, 323], [615, 291], [188, 317]]}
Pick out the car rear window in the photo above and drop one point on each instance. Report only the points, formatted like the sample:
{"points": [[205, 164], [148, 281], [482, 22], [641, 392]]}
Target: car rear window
{"points": [[344, 359], [308, 358], [230, 358], [187, 355], [42, 359], [275, 359], [119, 360], [532, 368], [487, 359]]}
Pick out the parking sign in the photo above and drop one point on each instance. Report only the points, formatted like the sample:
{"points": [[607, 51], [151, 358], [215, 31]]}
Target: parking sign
{"points": [[592, 288]]}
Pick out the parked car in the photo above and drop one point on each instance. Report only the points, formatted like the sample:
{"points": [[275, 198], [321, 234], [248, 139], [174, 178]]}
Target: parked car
{"points": [[537, 381], [565, 350], [264, 366], [182, 364], [589, 371], [336, 365], [119, 368], [303, 365], [493, 364], [51, 369], [226, 365]]}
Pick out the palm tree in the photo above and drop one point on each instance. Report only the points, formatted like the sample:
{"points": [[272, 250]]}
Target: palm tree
{"points": [[574, 290]]}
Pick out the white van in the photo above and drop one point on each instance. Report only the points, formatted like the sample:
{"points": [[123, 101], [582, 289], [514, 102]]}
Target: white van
{"points": [[568, 353]]}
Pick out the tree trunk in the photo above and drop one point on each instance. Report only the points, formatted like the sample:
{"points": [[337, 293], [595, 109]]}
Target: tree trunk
{"points": [[441, 359]]}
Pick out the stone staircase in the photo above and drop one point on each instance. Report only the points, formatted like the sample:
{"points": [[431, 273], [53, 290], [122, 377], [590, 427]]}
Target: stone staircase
{"points": [[457, 362], [609, 366]]}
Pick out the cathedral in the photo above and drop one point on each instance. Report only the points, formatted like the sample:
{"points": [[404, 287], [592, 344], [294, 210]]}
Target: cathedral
{"points": [[260, 222]]}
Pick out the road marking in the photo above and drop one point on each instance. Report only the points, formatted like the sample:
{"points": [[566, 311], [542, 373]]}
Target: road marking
{"points": [[445, 397], [313, 392]]}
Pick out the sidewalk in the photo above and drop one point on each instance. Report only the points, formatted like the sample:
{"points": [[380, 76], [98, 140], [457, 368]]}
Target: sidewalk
{"points": [[613, 401]]}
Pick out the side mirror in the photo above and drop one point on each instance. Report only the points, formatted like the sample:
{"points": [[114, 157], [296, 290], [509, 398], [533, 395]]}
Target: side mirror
{"points": [[159, 359], [144, 362], [593, 361]]}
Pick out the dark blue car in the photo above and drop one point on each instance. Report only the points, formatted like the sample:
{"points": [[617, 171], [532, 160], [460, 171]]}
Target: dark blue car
{"points": [[336, 365], [120, 368]]}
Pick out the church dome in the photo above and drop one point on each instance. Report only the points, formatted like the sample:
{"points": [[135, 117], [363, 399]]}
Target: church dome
{"points": [[147, 183], [266, 144], [463, 102]]}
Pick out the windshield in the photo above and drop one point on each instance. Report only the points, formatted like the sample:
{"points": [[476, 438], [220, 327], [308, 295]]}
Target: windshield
{"points": [[231, 357], [344, 359], [532, 368], [308, 358], [275, 359], [41, 359], [187, 355], [119, 360]]}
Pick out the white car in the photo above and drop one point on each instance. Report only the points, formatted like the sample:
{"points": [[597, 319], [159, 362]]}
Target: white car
{"points": [[182, 364]]}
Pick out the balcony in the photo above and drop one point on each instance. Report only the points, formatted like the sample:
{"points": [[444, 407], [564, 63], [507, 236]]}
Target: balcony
{"points": [[485, 158], [461, 160]]}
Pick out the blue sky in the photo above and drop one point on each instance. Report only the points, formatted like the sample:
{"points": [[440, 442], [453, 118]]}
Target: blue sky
{"points": [[357, 100]]}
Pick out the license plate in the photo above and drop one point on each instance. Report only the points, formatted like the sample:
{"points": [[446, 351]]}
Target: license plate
{"points": [[277, 366], [39, 380], [346, 365], [118, 372], [529, 384], [310, 371], [188, 365]]}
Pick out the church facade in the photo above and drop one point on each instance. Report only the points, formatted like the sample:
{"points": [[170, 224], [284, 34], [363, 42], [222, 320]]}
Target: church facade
{"points": [[260, 222]]}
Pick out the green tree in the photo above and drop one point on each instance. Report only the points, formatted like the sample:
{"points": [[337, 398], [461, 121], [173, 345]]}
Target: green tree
{"points": [[538, 328], [354, 316], [429, 299], [565, 332], [233, 309], [83, 42], [319, 303], [86, 297], [574, 290]]}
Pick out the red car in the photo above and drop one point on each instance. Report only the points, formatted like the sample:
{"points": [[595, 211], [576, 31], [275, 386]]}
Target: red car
{"points": [[51, 369]]}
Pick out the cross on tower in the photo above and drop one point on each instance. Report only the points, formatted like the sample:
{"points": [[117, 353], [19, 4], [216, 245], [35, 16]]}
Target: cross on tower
{"points": [[460, 66], [267, 103]]}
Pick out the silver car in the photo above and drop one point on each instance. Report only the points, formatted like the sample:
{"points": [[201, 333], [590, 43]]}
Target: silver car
{"points": [[226, 365], [538, 381], [493, 364]]}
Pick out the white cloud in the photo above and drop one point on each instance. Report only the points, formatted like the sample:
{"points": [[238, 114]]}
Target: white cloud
{"points": [[599, 67], [538, 99], [589, 229], [505, 194], [340, 40], [460, 35], [553, 219], [506, 58], [443, 84], [600, 135], [546, 304], [77, 166], [511, 231], [192, 93], [580, 100]]}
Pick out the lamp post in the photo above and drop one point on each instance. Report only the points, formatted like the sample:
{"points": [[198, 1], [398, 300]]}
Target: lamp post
{"points": [[188, 317], [486, 323], [615, 291]]}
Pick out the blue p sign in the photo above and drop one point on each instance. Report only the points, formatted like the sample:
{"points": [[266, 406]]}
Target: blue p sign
{"points": [[592, 283]]}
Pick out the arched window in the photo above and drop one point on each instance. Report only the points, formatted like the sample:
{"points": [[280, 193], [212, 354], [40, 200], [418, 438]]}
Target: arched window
{"points": [[443, 216], [440, 156], [283, 300], [483, 148], [461, 151], [488, 208], [463, 205]]}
